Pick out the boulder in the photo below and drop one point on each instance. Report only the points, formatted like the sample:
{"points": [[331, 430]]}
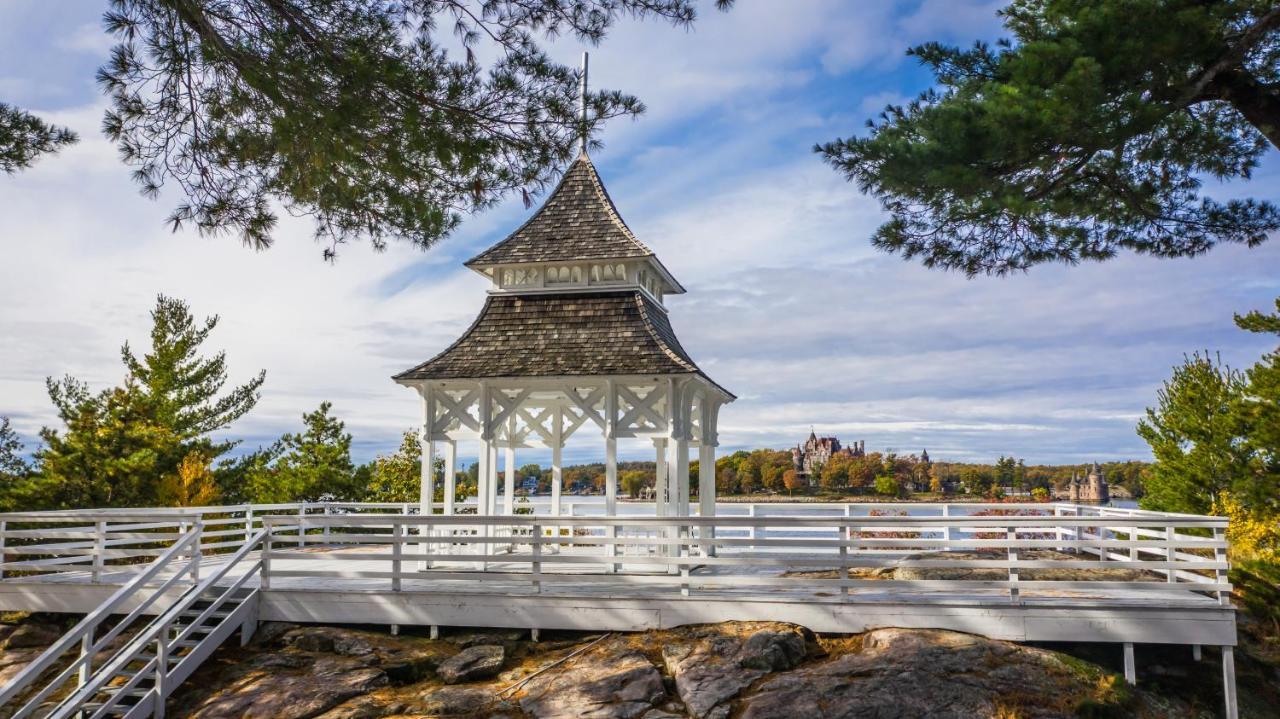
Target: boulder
{"points": [[459, 702], [714, 664], [478, 662], [346, 642], [611, 681], [33, 634]]}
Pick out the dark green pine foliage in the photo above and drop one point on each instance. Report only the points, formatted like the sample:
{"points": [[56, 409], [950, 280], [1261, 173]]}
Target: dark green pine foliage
{"points": [[1261, 407], [1196, 433], [116, 445], [352, 111], [311, 465], [1090, 132], [25, 137]]}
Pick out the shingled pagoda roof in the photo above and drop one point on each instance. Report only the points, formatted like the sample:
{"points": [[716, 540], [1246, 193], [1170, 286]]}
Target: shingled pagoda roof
{"points": [[576, 334], [577, 222]]}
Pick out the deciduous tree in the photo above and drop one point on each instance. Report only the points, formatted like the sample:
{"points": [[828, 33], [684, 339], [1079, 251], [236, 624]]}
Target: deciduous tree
{"points": [[192, 485]]}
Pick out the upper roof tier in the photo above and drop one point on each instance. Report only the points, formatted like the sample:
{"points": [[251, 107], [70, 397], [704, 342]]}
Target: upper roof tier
{"points": [[576, 240]]}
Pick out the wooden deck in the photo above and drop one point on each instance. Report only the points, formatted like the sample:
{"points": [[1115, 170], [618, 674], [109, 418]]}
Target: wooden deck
{"points": [[635, 573]]}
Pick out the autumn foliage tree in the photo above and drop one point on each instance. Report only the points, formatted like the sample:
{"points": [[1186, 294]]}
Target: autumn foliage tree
{"points": [[192, 485]]}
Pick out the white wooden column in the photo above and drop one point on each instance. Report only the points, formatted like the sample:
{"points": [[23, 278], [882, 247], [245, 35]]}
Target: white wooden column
{"points": [[509, 480], [660, 477], [450, 475], [680, 475], [491, 495], [611, 476], [706, 480], [611, 450], [427, 489], [483, 479], [557, 446]]}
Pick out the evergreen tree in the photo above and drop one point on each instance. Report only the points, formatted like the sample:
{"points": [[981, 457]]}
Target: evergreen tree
{"points": [[1197, 435], [312, 465], [116, 445], [15, 470], [24, 137], [1087, 134], [12, 464], [1262, 404], [351, 111]]}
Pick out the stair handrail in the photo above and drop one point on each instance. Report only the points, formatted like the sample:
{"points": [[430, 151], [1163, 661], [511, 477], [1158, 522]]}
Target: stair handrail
{"points": [[188, 542], [153, 631]]}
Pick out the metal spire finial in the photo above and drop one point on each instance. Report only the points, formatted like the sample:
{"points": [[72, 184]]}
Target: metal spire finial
{"points": [[582, 106]]}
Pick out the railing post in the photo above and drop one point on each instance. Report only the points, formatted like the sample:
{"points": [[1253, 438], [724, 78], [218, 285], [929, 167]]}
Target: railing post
{"points": [[248, 523], [302, 525], [3, 558], [751, 512], [265, 581], [1224, 597], [684, 555], [197, 552], [1012, 536], [397, 552], [947, 530], [326, 524], [86, 658], [844, 558], [1171, 553], [99, 546], [162, 671], [536, 569]]}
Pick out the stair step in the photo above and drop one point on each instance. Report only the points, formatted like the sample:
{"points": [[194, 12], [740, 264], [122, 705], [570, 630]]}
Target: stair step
{"points": [[195, 613]]}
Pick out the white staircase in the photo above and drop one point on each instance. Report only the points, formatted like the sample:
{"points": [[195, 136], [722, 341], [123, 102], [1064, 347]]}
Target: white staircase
{"points": [[135, 680]]}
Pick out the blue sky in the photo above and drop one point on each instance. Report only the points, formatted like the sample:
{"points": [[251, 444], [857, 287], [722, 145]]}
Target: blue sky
{"points": [[788, 305]]}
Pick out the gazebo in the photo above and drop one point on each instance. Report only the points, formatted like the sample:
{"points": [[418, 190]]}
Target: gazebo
{"points": [[573, 335]]}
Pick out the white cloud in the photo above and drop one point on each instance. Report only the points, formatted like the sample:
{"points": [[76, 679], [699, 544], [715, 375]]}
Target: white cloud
{"points": [[87, 38], [788, 305]]}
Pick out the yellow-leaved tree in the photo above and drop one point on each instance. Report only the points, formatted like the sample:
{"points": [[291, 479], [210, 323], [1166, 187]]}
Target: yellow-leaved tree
{"points": [[193, 485]]}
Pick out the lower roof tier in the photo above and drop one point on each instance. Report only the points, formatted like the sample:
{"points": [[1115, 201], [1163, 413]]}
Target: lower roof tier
{"points": [[554, 335]]}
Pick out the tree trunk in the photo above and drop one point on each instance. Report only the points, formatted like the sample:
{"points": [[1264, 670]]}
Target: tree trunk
{"points": [[1260, 104]]}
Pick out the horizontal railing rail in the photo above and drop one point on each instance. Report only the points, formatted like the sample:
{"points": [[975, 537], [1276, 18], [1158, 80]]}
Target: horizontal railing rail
{"points": [[1161, 554], [180, 560]]}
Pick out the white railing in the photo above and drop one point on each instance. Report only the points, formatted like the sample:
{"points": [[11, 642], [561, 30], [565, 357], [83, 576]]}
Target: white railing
{"points": [[1170, 553], [177, 565], [116, 542]]}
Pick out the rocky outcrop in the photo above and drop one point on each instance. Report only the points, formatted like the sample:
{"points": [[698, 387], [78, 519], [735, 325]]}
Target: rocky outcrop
{"points": [[753, 670], [907, 674], [478, 662], [287, 687], [712, 665], [613, 681]]}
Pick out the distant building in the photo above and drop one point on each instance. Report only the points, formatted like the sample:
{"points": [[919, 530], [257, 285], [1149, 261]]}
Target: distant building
{"points": [[1092, 488], [808, 458]]}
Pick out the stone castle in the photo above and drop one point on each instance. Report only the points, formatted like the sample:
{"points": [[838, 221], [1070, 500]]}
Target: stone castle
{"points": [[1091, 488], [817, 451]]}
